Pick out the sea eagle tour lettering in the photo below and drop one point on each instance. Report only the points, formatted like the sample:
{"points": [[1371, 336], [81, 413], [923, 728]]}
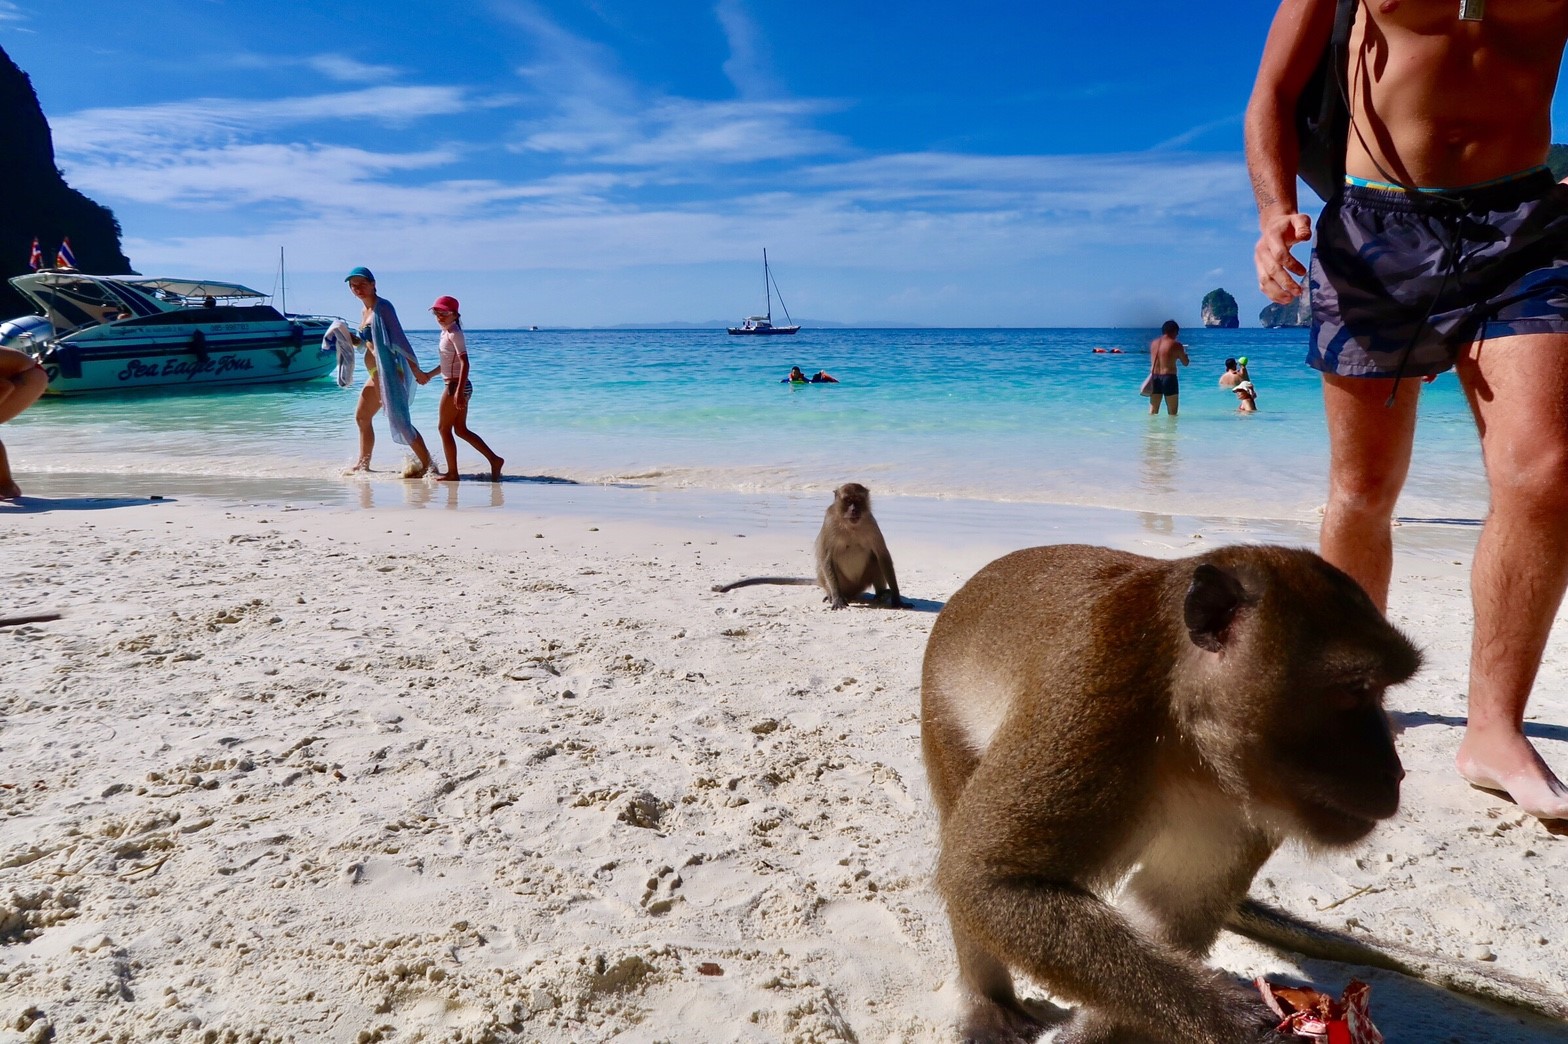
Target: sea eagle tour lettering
{"points": [[188, 368]]}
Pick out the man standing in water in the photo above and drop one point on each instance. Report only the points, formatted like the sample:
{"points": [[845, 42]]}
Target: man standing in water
{"points": [[1164, 351], [1447, 247]]}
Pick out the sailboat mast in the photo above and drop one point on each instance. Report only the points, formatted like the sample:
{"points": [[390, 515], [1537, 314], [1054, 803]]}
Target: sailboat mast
{"points": [[767, 283]]}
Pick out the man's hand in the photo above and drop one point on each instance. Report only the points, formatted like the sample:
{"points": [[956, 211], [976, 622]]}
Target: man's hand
{"points": [[1278, 269]]}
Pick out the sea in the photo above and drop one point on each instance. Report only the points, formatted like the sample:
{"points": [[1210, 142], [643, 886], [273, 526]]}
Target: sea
{"points": [[990, 417]]}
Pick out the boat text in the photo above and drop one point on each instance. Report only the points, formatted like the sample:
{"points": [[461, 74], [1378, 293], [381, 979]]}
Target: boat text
{"points": [[189, 369]]}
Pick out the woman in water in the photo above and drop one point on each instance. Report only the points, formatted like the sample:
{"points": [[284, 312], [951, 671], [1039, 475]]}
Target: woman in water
{"points": [[455, 396], [394, 370]]}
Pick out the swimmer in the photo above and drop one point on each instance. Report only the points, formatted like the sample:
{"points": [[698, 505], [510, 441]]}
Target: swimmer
{"points": [[1246, 397], [823, 377], [795, 377]]}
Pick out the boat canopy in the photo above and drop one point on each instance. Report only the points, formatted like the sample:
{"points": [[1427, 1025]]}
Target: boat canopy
{"points": [[75, 299]]}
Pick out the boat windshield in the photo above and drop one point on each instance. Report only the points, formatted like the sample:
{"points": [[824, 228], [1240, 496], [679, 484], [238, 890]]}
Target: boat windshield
{"points": [[72, 300]]}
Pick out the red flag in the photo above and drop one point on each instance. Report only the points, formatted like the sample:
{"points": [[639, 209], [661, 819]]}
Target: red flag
{"points": [[37, 260]]}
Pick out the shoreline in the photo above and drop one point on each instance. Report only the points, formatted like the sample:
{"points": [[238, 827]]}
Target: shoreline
{"points": [[290, 770]]}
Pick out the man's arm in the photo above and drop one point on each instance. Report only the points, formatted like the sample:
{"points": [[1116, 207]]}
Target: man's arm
{"points": [[1295, 42]]}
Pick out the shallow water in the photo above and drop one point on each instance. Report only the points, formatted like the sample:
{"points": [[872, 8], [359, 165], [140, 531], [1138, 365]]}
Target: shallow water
{"points": [[1033, 416]]}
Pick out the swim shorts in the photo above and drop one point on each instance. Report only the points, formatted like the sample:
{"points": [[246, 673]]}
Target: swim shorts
{"points": [[1163, 384], [1402, 281], [466, 393]]}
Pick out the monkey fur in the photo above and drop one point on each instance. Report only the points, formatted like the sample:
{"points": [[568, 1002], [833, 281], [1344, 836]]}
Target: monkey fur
{"points": [[1089, 713], [851, 555]]}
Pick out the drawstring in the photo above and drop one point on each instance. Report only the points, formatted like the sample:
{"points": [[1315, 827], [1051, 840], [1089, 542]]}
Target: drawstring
{"points": [[1453, 263]]}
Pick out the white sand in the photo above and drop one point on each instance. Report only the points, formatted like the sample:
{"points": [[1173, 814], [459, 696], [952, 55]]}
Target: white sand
{"points": [[348, 775]]}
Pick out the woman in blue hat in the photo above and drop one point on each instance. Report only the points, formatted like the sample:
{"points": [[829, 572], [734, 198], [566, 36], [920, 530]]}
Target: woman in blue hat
{"points": [[394, 370]]}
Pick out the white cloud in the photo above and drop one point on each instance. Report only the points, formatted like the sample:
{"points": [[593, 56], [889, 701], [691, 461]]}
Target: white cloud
{"points": [[349, 70], [9, 12]]}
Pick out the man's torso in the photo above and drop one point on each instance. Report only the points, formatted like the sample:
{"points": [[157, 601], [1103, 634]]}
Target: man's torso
{"points": [[1440, 102]]}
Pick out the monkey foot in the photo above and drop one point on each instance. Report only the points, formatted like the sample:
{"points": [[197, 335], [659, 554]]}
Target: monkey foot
{"points": [[9, 490], [1527, 781]]}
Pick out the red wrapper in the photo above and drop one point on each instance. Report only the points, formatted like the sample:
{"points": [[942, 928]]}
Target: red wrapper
{"points": [[1319, 1017]]}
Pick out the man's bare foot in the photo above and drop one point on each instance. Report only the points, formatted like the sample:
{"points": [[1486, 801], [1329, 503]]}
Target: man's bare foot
{"points": [[495, 469], [450, 476], [362, 464], [1508, 764]]}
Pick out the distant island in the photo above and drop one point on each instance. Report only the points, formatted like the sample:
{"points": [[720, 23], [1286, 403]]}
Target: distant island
{"points": [[1219, 310]]}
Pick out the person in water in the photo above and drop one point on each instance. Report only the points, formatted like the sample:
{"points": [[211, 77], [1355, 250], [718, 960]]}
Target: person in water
{"points": [[1165, 351], [795, 377], [394, 370], [458, 390], [823, 377]]}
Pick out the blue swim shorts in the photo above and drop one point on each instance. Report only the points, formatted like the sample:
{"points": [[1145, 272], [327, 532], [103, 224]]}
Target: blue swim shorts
{"points": [[1402, 282], [1163, 384]]}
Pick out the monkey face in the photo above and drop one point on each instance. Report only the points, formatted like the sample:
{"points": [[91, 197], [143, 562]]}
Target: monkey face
{"points": [[1336, 769], [853, 500], [1315, 740]]}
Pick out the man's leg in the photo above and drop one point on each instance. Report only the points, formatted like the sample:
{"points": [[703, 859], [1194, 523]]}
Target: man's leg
{"points": [[1518, 391], [1369, 457]]}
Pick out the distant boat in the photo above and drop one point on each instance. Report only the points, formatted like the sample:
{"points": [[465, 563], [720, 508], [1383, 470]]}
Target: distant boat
{"points": [[763, 324]]}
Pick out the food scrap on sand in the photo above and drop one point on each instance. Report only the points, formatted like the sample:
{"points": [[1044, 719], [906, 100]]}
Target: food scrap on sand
{"points": [[1319, 1017]]}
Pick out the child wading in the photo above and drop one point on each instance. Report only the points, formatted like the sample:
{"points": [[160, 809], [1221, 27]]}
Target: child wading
{"points": [[454, 398]]}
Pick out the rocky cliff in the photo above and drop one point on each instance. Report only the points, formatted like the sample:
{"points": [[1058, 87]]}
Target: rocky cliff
{"points": [[1219, 309], [36, 200], [1297, 313]]}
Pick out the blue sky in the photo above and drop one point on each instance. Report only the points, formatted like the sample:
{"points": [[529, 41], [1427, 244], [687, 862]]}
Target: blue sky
{"points": [[592, 162]]}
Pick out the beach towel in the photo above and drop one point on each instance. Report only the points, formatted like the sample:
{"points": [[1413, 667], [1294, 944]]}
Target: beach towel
{"points": [[1148, 385], [395, 366], [339, 338]]}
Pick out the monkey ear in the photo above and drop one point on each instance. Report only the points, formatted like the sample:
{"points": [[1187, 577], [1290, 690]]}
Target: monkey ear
{"points": [[1212, 601]]}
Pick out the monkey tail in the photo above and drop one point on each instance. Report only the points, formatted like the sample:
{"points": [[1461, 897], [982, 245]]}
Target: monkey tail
{"points": [[1274, 927], [787, 581]]}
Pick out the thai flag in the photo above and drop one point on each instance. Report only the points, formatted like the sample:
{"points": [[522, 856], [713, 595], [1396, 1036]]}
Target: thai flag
{"points": [[65, 259], [37, 260]]}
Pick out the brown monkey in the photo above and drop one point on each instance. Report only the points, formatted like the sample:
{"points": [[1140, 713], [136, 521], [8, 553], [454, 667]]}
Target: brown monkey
{"points": [[851, 554], [1089, 712]]}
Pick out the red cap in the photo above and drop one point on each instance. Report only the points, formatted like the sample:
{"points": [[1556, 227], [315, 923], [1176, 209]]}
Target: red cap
{"points": [[445, 303]]}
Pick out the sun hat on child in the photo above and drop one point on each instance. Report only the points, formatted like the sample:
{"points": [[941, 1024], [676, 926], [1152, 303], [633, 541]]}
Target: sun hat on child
{"points": [[445, 303]]}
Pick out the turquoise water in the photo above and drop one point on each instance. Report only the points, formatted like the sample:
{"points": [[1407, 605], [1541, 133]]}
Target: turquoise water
{"points": [[1031, 416]]}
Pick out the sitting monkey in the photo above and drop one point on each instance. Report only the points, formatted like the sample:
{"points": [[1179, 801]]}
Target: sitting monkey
{"points": [[1065, 748], [851, 555]]}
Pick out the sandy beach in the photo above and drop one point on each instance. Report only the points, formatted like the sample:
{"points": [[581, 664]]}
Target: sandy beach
{"points": [[287, 771]]}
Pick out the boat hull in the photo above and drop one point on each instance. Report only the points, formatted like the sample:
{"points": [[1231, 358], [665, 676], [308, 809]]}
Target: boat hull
{"points": [[771, 331], [224, 355]]}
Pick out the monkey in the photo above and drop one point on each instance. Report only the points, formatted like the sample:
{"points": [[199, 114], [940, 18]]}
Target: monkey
{"points": [[851, 555], [1091, 715]]}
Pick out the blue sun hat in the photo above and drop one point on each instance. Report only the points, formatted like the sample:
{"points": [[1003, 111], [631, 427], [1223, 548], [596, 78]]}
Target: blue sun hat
{"points": [[362, 272]]}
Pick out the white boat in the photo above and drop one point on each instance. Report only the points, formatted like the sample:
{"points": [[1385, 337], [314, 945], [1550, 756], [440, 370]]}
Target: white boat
{"points": [[98, 333], [762, 325]]}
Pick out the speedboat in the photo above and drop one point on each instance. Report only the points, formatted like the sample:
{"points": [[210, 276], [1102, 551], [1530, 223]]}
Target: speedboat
{"points": [[99, 333]]}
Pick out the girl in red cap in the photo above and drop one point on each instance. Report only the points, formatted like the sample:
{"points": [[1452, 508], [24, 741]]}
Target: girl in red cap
{"points": [[454, 399]]}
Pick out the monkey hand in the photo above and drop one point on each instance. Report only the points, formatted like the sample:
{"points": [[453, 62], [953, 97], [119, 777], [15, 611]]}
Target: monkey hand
{"points": [[836, 601]]}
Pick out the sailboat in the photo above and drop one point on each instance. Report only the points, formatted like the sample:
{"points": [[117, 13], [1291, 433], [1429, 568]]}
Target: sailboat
{"points": [[763, 324]]}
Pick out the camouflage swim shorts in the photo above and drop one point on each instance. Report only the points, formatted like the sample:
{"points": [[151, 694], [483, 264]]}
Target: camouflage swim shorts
{"points": [[1403, 281]]}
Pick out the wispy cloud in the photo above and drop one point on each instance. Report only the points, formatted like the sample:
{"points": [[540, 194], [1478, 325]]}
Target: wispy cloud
{"points": [[184, 124], [748, 67], [9, 12]]}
